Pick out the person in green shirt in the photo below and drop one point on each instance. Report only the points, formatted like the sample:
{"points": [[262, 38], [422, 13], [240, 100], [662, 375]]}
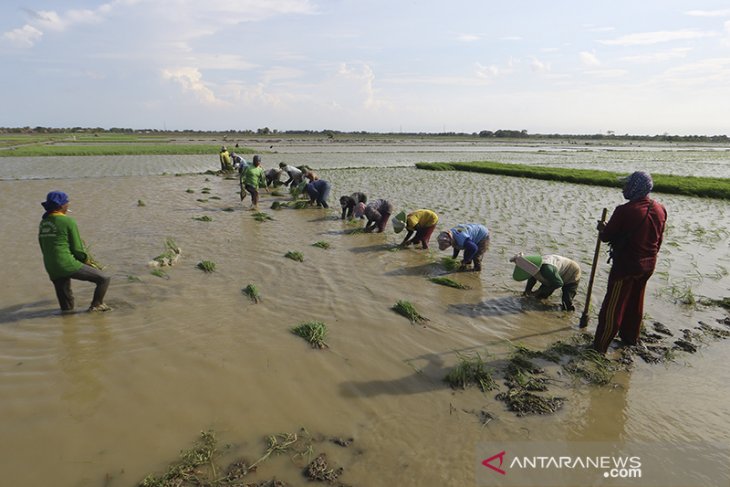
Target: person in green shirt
{"points": [[552, 271], [251, 180], [64, 255]]}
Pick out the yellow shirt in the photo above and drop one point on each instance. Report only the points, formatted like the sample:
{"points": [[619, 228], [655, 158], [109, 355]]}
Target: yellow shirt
{"points": [[421, 219]]}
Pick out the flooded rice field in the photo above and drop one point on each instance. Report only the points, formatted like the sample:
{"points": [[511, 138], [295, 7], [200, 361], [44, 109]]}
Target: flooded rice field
{"points": [[106, 399]]}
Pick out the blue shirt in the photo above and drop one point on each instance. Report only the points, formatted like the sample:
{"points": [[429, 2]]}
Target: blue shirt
{"points": [[468, 231]]}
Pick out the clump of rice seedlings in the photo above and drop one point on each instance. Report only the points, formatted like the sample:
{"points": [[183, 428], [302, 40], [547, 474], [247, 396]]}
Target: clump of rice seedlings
{"points": [[523, 402], [159, 273], [321, 244], [190, 190], [278, 205], [205, 190], [194, 466], [131, 278], [722, 302], [470, 371], [294, 255], [314, 332], [252, 292], [404, 308], [140, 203], [445, 281], [450, 264], [204, 218], [206, 266], [592, 367], [229, 209], [300, 205], [169, 257], [215, 197], [201, 200], [260, 216]]}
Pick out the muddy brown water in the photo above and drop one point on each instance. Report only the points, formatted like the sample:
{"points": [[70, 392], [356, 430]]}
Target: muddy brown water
{"points": [[104, 399]]}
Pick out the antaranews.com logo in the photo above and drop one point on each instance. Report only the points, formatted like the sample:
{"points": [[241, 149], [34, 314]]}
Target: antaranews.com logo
{"points": [[611, 464]]}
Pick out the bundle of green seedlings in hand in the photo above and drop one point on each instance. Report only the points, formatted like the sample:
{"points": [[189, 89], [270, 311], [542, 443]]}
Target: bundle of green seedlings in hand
{"points": [[140, 203], [206, 266], [445, 281], [449, 263], [294, 255], [470, 371], [404, 308], [314, 332], [90, 259], [252, 292], [260, 216], [321, 244]]}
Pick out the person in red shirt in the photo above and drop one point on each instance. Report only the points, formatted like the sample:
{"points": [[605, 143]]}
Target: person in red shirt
{"points": [[634, 231]]}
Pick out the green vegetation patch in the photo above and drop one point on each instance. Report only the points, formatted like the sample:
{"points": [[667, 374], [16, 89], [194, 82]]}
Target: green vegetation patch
{"points": [[206, 266], [122, 149], [260, 216], [294, 255], [471, 370], [445, 281], [252, 292], [321, 244], [315, 332], [450, 264], [170, 256], [663, 183], [523, 402], [204, 218], [404, 308]]}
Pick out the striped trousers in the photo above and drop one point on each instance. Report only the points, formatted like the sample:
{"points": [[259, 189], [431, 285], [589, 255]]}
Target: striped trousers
{"points": [[622, 311]]}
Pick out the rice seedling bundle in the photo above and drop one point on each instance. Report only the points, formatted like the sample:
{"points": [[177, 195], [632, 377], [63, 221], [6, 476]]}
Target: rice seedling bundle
{"points": [[404, 308], [206, 266], [445, 281], [294, 255], [252, 292], [315, 332]]}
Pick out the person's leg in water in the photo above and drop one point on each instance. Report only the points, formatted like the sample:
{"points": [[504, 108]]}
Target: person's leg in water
{"points": [[481, 250], [64, 293], [91, 274]]}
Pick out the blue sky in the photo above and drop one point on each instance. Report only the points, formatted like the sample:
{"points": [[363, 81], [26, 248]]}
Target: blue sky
{"points": [[637, 67]]}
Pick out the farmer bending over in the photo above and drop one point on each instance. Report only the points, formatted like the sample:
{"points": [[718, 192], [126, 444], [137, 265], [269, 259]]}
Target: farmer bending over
{"points": [[553, 272], [472, 238]]}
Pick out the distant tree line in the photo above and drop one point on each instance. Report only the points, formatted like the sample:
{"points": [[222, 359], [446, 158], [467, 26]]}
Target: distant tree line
{"points": [[329, 133]]}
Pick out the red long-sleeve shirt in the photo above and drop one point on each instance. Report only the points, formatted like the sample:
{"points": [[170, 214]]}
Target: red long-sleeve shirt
{"points": [[646, 232]]}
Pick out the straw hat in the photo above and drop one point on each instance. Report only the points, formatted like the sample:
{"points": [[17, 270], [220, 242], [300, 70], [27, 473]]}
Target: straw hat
{"points": [[399, 222]]}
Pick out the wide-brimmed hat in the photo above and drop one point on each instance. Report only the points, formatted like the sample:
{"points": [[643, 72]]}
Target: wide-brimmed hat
{"points": [[444, 240], [399, 222], [526, 266], [359, 210]]}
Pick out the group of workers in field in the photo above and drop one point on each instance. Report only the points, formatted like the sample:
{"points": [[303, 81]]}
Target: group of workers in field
{"points": [[634, 231]]}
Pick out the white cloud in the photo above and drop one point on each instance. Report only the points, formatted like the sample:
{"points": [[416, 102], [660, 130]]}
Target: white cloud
{"points": [[646, 38], [24, 37], [365, 74], [607, 73], [709, 13], [589, 59], [660, 56], [538, 66], [468, 37], [190, 80]]}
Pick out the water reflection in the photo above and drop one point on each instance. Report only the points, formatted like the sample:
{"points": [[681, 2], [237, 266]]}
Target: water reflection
{"points": [[82, 360]]}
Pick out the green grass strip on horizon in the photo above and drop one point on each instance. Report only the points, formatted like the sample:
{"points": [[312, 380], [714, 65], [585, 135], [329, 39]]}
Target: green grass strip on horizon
{"points": [[663, 183]]}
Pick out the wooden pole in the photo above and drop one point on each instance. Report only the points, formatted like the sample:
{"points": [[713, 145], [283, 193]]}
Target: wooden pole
{"points": [[584, 317]]}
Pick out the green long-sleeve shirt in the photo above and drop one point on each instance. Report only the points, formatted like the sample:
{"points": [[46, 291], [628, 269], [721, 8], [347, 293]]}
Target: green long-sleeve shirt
{"points": [[62, 247]]}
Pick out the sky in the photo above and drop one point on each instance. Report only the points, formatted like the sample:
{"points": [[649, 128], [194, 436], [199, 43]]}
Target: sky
{"points": [[640, 67]]}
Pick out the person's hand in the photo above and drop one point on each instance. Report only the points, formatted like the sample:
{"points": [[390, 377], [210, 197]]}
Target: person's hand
{"points": [[601, 225]]}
